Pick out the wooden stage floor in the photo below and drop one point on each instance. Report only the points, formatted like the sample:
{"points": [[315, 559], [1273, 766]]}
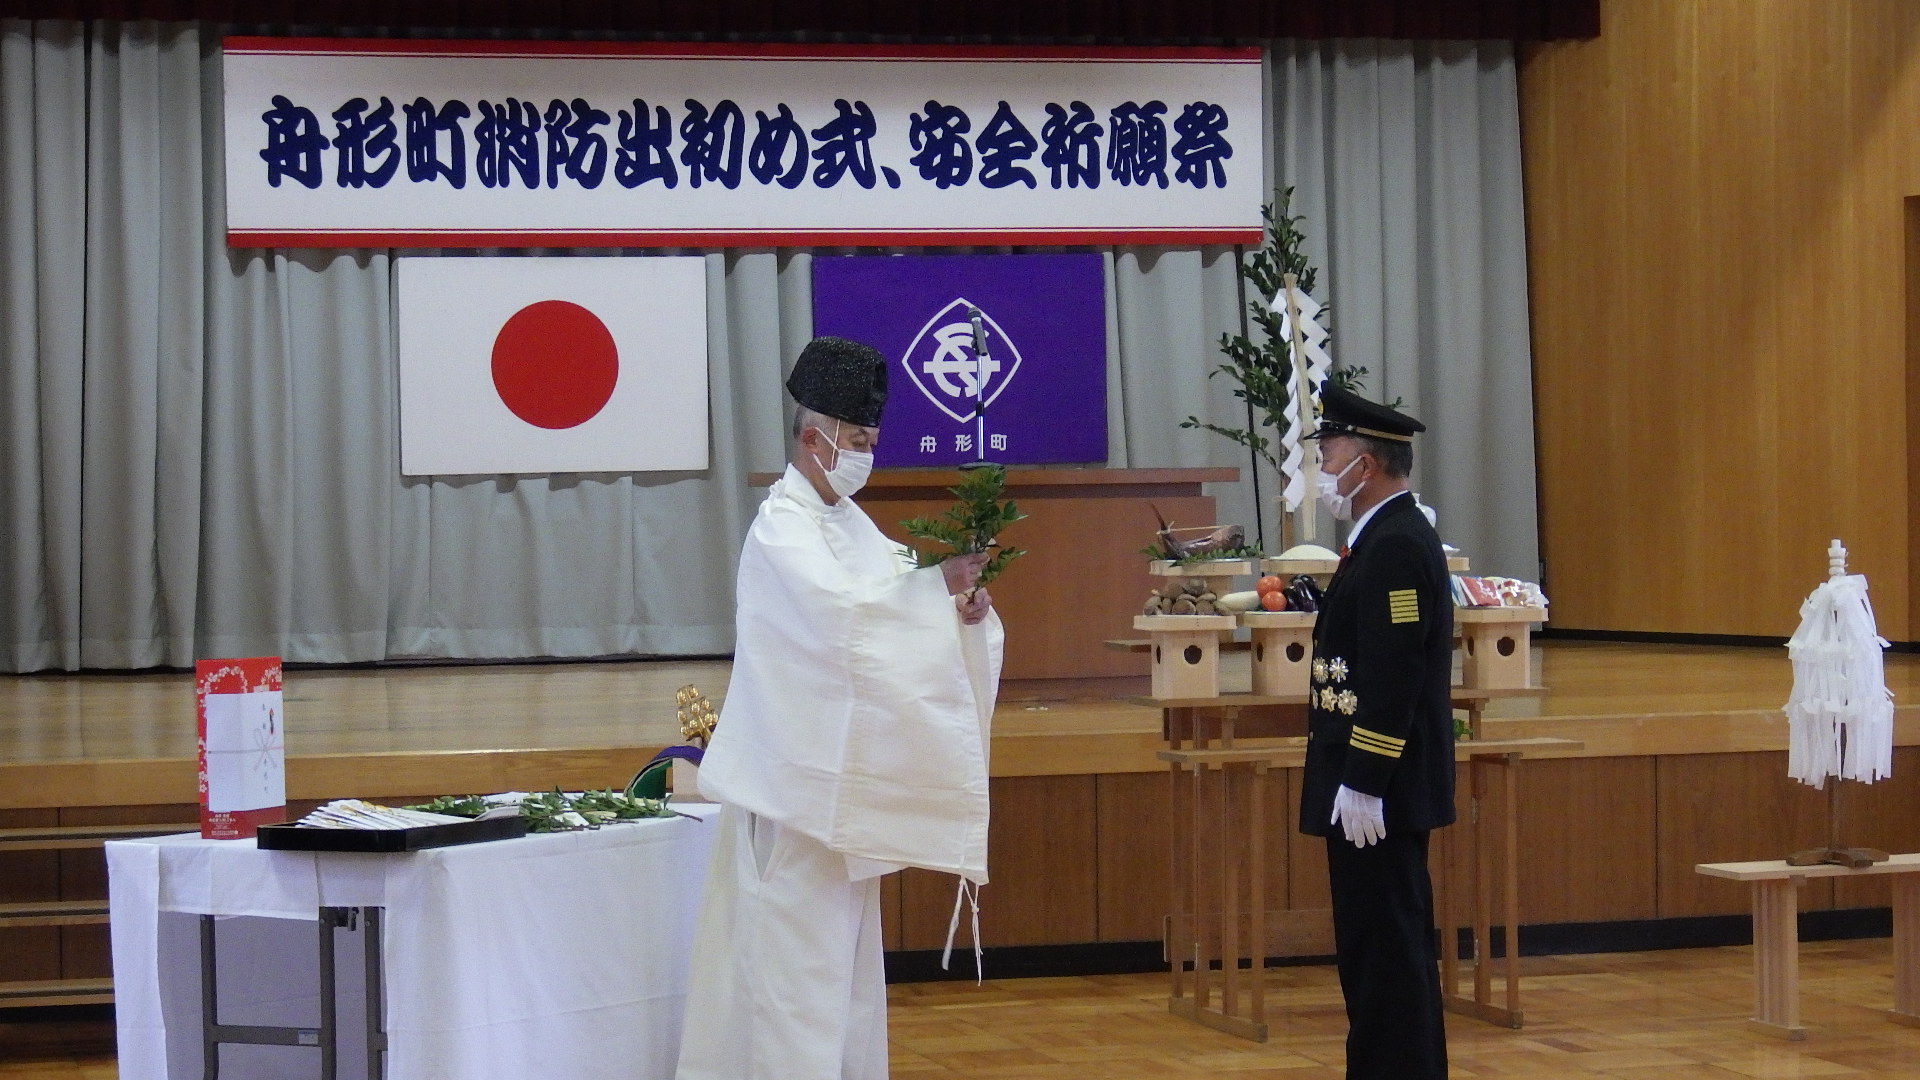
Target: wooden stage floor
{"points": [[119, 740]]}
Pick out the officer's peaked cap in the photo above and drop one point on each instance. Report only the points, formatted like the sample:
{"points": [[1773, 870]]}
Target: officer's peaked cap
{"points": [[1343, 412]]}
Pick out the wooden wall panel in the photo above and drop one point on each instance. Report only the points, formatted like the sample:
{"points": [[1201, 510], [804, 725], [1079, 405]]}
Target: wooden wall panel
{"points": [[1885, 815], [1586, 837], [29, 952], [1084, 858], [1135, 843], [1041, 863], [1912, 268], [891, 931], [1716, 237], [1307, 888], [1730, 808], [85, 952]]}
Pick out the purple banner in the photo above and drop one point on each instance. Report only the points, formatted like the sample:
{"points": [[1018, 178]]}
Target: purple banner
{"points": [[1042, 320]]}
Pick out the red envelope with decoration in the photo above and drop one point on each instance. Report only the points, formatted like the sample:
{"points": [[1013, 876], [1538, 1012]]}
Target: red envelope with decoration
{"points": [[243, 750]]}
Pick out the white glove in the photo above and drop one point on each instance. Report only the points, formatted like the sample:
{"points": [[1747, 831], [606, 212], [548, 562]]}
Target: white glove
{"points": [[1363, 817]]}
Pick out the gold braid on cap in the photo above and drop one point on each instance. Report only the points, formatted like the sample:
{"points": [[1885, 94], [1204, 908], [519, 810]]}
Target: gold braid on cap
{"points": [[1372, 432]]}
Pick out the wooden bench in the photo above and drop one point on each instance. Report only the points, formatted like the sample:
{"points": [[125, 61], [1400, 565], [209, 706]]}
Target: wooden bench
{"points": [[1776, 936]]}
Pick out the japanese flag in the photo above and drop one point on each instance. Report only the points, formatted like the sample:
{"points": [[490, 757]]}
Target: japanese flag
{"points": [[549, 365]]}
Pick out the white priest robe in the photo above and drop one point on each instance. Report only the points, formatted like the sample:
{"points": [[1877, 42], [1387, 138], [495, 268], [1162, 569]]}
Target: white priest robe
{"points": [[852, 742]]}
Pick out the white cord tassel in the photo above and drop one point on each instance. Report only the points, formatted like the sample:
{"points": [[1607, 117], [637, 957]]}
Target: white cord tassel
{"points": [[970, 893], [1840, 714]]}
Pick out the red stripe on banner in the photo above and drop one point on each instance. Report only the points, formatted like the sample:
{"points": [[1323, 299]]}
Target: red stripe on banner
{"points": [[526, 238], [311, 46]]}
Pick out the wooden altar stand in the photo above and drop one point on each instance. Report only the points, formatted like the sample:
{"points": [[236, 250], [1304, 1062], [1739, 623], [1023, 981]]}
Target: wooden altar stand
{"points": [[1208, 865], [1487, 852], [1217, 804]]}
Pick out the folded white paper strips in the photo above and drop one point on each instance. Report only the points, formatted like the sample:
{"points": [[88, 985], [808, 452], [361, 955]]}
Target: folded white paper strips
{"points": [[1313, 363], [1840, 714]]}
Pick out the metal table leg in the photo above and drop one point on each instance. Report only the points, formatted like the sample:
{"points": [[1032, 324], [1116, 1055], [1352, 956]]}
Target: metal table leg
{"points": [[213, 1033], [376, 997], [324, 1037]]}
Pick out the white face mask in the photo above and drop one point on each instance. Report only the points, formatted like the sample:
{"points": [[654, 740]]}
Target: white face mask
{"points": [[1340, 506], [850, 467]]}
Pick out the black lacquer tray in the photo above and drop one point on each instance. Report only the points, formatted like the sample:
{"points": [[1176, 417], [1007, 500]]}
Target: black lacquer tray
{"points": [[291, 837]]}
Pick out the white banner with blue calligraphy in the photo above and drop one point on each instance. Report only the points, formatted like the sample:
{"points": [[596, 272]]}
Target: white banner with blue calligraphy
{"points": [[396, 143]]}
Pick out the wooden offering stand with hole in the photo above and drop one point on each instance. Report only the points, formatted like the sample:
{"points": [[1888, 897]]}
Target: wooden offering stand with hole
{"points": [[1186, 648], [1498, 645], [1282, 645], [1186, 653]]}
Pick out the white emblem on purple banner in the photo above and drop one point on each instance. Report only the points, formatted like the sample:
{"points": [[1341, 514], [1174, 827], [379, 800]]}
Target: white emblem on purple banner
{"points": [[933, 314], [942, 364]]}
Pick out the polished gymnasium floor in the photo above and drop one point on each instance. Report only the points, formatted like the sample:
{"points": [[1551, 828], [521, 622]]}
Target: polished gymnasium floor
{"points": [[1628, 1016], [65, 739]]}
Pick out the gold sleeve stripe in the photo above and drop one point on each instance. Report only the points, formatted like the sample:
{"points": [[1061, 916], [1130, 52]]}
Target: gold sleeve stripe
{"points": [[1385, 740], [1359, 739], [1403, 605], [1373, 748]]}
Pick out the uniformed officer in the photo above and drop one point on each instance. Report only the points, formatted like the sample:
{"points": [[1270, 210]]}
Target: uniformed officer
{"points": [[1379, 768]]}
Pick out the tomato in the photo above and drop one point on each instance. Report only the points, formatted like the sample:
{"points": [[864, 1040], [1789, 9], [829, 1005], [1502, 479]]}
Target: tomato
{"points": [[1269, 584], [1274, 601]]}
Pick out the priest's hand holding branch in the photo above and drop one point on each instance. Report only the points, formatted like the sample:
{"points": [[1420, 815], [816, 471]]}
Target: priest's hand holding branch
{"points": [[970, 531], [974, 606], [962, 571]]}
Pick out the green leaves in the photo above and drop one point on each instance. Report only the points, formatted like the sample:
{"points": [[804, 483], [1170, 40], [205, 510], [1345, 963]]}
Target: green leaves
{"points": [[1263, 368], [1262, 365], [468, 806], [972, 524], [556, 811], [1245, 551]]}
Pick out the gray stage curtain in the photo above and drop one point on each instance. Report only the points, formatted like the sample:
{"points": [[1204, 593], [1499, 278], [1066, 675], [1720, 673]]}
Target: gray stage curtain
{"points": [[1404, 158], [202, 444]]}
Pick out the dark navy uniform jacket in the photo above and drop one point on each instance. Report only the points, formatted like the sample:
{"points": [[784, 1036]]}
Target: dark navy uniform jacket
{"points": [[1380, 720]]}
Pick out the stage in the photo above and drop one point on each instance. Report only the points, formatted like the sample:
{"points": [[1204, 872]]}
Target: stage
{"points": [[1682, 761], [126, 740]]}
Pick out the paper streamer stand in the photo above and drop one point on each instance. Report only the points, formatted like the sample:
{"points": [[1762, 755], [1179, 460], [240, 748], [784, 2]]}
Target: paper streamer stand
{"points": [[1835, 852]]}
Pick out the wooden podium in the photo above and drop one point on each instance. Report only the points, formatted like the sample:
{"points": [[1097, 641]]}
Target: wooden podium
{"points": [[1083, 578]]}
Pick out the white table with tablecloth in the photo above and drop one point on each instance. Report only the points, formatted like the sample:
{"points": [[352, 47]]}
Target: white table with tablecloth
{"points": [[557, 955]]}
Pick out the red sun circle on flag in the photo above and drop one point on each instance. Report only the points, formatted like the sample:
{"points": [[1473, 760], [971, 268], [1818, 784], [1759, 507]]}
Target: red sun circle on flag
{"points": [[555, 364]]}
